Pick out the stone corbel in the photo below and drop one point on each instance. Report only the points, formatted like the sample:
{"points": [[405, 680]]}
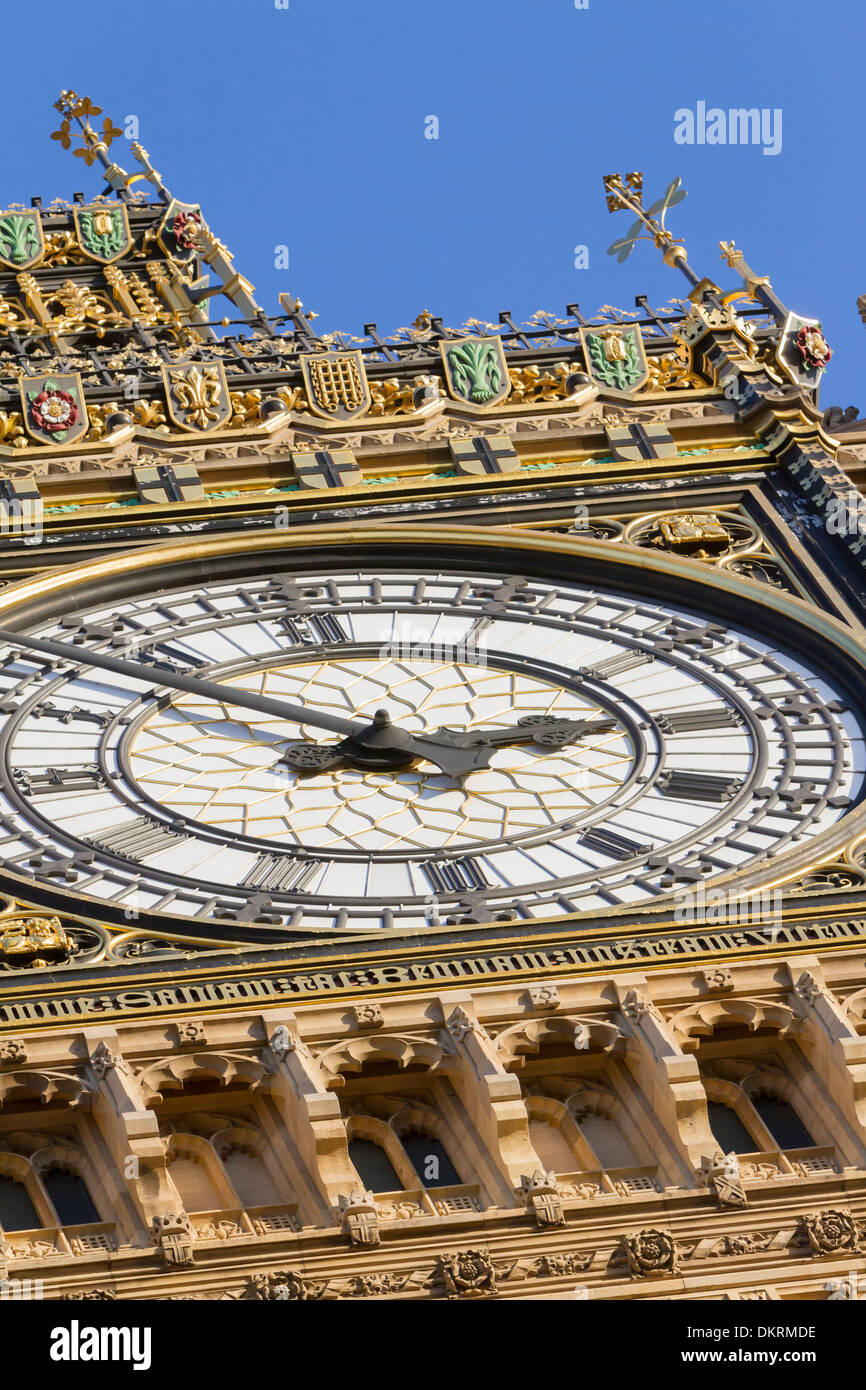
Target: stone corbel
{"points": [[310, 1112], [130, 1130], [667, 1076], [837, 1051], [491, 1094]]}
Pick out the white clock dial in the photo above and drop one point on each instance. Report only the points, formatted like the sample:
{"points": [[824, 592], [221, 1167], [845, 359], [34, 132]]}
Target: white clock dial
{"points": [[709, 749]]}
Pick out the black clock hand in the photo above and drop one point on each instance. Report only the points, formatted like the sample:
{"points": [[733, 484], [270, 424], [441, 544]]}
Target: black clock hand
{"points": [[450, 750], [379, 744]]}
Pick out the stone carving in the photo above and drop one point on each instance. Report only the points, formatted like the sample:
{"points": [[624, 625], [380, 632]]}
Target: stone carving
{"points": [[808, 988], [635, 1007], [12, 1051], [282, 1042], [460, 1025], [542, 1196], [103, 1294], [723, 1175], [368, 1015], [544, 996], [549, 1266], [218, 1230], [719, 981], [103, 1060], [468, 1274], [651, 1252], [831, 1232], [286, 1286], [191, 1032], [173, 1235], [748, 1243], [360, 1217]]}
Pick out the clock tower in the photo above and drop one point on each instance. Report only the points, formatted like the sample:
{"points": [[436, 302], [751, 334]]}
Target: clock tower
{"points": [[433, 854]]}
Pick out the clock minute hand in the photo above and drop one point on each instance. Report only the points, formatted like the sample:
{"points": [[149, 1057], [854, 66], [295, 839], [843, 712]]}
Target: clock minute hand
{"points": [[378, 744], [176, 680]]}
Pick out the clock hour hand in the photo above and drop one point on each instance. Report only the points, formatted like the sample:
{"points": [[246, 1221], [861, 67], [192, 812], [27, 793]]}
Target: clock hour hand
{"points": [[384, 747], [545, 729]]}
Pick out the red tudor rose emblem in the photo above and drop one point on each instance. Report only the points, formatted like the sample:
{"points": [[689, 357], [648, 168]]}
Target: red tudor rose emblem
{"points": [[53, 411], [184, 228], [813, 347]]}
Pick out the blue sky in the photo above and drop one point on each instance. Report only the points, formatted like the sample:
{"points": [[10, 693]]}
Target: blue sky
{"points": [[304, 127]]}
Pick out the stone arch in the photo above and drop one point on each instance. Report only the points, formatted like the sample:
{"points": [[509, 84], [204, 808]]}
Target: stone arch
{"points": [[45, 1086], [704, 1019], [173, 1073], [353, 1054], [527, 1038]]}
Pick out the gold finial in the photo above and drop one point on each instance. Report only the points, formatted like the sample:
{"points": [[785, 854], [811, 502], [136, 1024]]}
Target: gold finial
{"points": [[80, 109]]}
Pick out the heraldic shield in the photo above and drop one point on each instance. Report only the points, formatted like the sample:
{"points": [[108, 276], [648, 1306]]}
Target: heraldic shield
{"points": [[475, 370], [197, 395], [53, 407], [615, 359], [336, 383], [22, 244], [803, 351], [103, 231], [178, 229]]}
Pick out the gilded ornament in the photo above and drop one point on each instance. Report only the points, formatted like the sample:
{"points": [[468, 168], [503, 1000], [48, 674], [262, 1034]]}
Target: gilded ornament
{"points": [[53, 408], [616, 359], [22, 243], [336, 383], [197, 395], [476, 370], [41, 937], [103, 231]]}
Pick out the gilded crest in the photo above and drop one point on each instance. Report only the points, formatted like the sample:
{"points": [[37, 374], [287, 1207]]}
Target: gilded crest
{"points": [[475, 370], [179, 228], [34, 936], [803, 351], [103, 231], [615, 358], [22, 244], [197, 395], [53, 407], [336, 383]]}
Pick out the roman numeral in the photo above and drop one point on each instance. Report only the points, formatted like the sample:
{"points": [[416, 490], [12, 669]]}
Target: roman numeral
{"points": [[620, 663], [692, 721], [58, 779], [319, 629], [280, 873], [610, 843], [698, 786], [454, 875], [178, 660], [48, 710], [138, 838]]}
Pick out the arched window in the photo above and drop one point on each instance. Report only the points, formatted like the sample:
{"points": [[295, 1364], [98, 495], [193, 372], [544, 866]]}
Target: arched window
{"points": [[17, 1212], [249, 1177], [373, 1166], [69, 1197], [783, 1122], [555, 1154], [431, 1160], [607, 1141], [728, 1129], [194, 1185]]}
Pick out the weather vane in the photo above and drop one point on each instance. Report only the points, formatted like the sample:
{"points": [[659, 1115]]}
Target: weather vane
{"points": [[625, 191]]}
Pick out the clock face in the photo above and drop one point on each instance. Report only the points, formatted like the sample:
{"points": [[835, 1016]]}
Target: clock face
{"points": [[708, 749]]}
